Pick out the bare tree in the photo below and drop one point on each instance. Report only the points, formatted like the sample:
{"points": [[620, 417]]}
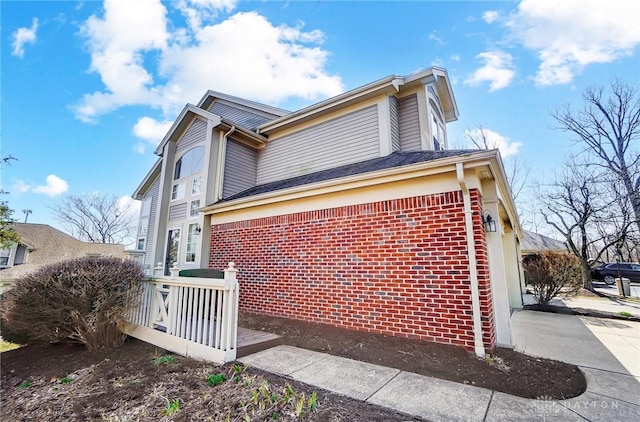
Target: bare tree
{"points": [[577, 204], [608, 127], [516, 170], [99, 218]]}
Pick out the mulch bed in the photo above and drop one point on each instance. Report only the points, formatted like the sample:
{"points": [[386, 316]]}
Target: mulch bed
{"points": [[124, 384], [508, 371]]}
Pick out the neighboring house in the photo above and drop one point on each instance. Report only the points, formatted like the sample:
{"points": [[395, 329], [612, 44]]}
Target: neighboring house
{"points": [[534, 242], [350, 212], [41, 244]]}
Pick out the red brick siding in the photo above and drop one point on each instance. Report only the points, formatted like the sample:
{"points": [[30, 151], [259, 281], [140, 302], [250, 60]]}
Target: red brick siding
{"points": [[395, 267]]}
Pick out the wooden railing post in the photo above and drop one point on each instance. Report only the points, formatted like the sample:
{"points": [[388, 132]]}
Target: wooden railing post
{"points": [[229, 333]]}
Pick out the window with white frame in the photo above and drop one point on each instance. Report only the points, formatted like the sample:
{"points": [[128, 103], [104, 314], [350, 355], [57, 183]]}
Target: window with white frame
{"points": [[192, 242], [140, 245], [177, 191], [196, 185], [4, 257], [193, 209], [189, 164], [145, 212]]}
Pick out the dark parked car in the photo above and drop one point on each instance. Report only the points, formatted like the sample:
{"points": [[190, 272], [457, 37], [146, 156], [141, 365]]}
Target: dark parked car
{"points": [[609, 272]]}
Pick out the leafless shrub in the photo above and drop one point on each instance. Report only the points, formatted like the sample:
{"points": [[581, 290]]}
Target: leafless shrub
{"points": [[82, 300], [552, 274]]}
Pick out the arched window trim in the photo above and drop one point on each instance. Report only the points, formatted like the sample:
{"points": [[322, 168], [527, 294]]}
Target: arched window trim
{"points": [[178, 168]]}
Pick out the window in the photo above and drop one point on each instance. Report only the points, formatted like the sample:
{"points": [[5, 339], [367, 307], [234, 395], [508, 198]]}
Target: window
{"points": [[190, 163], [193, 210], [192, 239], [145, 212], [140, 245], [173, 246], [195, 185], [145, 208], [4, 257], [177, 192], [437, 132]]}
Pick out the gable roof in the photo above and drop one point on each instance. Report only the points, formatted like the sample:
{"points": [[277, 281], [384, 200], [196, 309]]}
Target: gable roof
{"points": [[395, 159], [534, 242], [210, 96], [391, 84], [186, 117], [48, 245]]}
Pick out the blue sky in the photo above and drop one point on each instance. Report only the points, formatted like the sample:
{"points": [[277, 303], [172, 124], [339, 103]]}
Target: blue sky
{"points": [[90, 87]]}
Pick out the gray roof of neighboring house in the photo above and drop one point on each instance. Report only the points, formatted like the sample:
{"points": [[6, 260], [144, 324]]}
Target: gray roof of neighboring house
{"points": [[534, 242], [48, 245], [396, 159]]}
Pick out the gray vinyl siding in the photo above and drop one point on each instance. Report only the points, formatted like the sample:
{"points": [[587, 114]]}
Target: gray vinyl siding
{"points": [[395, 125], [178, 212], [243, 117], [196, 134], [240, 168], [409, 123], [344, 140], [153, 192]]}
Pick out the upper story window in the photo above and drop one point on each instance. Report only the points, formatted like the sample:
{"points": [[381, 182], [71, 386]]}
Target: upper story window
{"points": [[4, 257], [190, 163], [145, 212], [437, 126]]}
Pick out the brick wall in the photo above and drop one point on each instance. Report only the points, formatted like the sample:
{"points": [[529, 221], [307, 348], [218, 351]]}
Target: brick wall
{"points": [[395, 267]]}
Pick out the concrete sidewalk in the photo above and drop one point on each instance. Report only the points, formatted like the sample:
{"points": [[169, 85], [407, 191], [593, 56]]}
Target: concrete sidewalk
{"points": [[611, 305], [593, 344]]}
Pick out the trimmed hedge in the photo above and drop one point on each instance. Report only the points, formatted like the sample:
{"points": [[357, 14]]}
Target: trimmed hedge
{"points": [[82, 300]]}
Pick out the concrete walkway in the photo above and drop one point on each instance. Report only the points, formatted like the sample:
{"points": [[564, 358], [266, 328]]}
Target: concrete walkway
{"points": [[607, 351]]}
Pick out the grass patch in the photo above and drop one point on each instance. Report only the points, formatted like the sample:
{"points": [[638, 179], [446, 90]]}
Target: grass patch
{"points": [[164, 359], [625, 314], [216, 379]]}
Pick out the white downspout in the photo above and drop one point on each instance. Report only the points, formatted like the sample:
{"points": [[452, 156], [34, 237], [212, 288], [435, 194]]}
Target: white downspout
{"points": [[473, 269], [221, 161]]}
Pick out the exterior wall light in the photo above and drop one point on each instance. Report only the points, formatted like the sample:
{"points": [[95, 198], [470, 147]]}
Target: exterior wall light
{"points": [[198, 229], [488, 222]]}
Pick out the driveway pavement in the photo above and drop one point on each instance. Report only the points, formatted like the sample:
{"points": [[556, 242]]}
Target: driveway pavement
{"points": [[607, 351]]}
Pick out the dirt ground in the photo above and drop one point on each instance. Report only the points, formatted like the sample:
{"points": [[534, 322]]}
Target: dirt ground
{"points": [[136, 382], [508, 371]]}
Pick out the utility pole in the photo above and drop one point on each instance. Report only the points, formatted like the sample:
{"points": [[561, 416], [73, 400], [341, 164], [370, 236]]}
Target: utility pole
{"points": [[26, 214]]}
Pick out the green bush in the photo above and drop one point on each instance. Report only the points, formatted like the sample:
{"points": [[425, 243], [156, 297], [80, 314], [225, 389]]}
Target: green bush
{"points": [[552, 274], [82, 300]]}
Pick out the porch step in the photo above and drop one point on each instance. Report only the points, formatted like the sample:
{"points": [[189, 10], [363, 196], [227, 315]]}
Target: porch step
{"points": [[252, 341]]}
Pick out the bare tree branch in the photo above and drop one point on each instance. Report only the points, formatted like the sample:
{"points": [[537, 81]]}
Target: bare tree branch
{"points": [[96, 218]]}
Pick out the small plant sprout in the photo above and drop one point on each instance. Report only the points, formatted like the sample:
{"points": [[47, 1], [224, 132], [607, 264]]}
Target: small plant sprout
{"points": [[25, 384], [216, 379], [66, 380], [164, 359], [172, 406]]}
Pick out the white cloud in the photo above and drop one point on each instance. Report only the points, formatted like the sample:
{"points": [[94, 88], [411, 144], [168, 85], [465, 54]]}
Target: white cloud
{"points": [[24, 36], [490, 16], [54, 186], [498, 69], [20, 186], [151, 131], [494, 140], [571, 34], [244, 55], [455, 58]]}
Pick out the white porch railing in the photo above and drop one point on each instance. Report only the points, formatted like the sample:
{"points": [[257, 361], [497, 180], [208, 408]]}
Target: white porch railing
{"points": [[190, 316]]}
